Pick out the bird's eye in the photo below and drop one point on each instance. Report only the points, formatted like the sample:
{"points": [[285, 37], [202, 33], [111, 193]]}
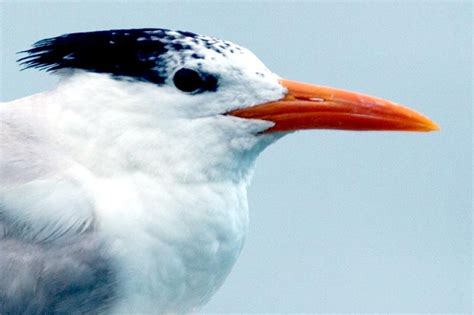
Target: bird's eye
{"points": [[188, 80]]}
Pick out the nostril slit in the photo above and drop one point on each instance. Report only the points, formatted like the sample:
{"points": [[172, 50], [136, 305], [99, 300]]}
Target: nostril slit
{"points": [[317, 99]]}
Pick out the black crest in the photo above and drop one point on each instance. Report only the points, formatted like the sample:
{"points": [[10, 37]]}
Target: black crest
{"points": [[135, 53]]}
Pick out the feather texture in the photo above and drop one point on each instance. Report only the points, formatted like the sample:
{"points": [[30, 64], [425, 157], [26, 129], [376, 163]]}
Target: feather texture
{"points": [[120, 175]]}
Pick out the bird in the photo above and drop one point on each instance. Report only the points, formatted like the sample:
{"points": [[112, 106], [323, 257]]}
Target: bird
{"points": [[124, 189]]}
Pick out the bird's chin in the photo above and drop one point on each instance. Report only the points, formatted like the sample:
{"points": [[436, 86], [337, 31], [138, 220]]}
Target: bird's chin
{"points": [[266, 139]]}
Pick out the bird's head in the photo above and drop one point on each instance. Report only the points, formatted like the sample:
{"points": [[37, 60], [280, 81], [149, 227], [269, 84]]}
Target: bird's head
{"points": [[204, 83]]}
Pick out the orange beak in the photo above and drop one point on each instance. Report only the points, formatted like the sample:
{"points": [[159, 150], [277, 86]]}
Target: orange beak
{"points": [[307, 106]]}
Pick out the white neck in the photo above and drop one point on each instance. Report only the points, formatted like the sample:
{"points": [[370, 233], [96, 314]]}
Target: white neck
{"points": [[170, 192]]}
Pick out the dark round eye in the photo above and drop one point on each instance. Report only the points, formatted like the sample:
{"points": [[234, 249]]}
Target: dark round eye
{"points": [[188, 80]]}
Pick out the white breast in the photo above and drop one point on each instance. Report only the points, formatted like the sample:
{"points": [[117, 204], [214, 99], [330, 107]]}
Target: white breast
{"points": [[175, 246]]}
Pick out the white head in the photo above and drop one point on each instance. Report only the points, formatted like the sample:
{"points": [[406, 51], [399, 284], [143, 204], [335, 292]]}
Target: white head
{"points": [[207, 104]]}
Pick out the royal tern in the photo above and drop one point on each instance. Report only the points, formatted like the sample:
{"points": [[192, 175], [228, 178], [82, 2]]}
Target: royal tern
{"points": [[123, 190]]}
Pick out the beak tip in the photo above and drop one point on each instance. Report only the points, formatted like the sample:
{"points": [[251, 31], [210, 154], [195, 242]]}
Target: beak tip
{"points": [[432, 126]]}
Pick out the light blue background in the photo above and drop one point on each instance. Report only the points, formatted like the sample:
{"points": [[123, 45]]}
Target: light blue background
{"points": [[340, 221]]}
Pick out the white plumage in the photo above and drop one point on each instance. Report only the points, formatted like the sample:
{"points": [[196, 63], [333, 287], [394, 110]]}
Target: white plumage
{"points": [[160, 173], [155, 175]]}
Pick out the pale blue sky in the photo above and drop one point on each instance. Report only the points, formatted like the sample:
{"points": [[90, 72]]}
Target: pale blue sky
{"points": [[340, 221]]}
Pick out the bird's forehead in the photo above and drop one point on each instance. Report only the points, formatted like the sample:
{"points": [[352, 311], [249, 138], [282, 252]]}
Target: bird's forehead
{"points": [[190, 45], [209, 53]]}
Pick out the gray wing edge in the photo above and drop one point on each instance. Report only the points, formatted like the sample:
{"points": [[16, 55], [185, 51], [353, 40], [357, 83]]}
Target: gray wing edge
{"points": [[76, 276]]}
